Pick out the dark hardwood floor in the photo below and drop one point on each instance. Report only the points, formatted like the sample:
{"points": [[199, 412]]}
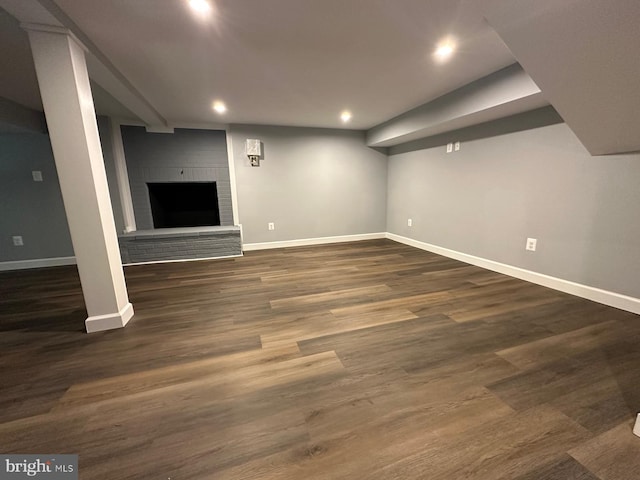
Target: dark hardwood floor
{"points": [[368, 360]]}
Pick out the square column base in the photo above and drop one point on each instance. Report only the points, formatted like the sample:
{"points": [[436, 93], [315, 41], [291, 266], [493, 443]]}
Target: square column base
{"points": [[99, 323]]}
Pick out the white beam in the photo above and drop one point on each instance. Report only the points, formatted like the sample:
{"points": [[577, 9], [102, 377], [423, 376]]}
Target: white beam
{"points": [[501, 94], [101, 70], [584, 56]]}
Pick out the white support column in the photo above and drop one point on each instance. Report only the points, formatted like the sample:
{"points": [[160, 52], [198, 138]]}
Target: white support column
{"points": [[232, 176], [124, 188], [68, 106]]}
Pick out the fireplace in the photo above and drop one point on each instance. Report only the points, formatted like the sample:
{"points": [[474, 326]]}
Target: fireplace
{"points": [[184, 204]]}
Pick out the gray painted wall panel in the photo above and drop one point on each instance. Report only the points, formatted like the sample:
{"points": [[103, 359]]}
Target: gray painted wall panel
{"points": [[184, 156], [311, 183], [31, 209], [488, 198], [35, 210]]}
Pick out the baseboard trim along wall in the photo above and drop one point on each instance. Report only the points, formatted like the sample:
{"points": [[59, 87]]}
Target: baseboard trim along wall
{"points": [[37, 263], [606, 297], [612, 299], [303, 242], [180, 260]]}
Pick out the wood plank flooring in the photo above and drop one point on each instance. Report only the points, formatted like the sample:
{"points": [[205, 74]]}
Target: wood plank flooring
{"points": [[367, 360]]}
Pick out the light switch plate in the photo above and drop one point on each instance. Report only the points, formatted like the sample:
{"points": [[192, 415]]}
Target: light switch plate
{"points": [[37, 175], [532, 244]]}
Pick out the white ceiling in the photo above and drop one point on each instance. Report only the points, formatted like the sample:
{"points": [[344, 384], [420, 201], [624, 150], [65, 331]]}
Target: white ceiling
{"points": [[278, 62], [18, 81], [301, 62]]}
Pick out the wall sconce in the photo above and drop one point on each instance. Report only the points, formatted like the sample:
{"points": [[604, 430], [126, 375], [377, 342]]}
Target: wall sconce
{"points": [[253, 150]]}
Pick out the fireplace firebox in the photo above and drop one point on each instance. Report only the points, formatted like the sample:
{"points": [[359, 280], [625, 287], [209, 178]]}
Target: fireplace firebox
{"points": [[184, 204]]}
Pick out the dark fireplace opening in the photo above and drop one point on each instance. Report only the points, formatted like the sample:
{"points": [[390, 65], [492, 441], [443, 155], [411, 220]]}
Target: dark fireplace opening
{"points": [[184, 204]]}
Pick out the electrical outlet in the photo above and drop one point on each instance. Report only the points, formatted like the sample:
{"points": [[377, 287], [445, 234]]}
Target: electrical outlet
{"points": [[17, 241], [636, 428], [456, 146], [449, 147], [531, 245], [409, 223], [272, 226], [37, 175]]}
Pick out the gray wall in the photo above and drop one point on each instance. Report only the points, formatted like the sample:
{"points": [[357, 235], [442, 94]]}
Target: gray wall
{"points": [[31, 209], [184, 156], [35, 210], [488, 198], [311, 183], [15, 118]]}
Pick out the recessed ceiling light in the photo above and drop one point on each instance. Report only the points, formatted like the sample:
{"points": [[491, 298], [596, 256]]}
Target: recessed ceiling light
{"points": [[200, 6], [444, 50], [219, 106], [345, 116]]}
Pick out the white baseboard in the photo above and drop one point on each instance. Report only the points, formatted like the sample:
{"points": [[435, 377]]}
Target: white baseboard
{"points": [[180, 260], [303, 242], [617, 300], [37, 263], [56, 262], [99, 323]]}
